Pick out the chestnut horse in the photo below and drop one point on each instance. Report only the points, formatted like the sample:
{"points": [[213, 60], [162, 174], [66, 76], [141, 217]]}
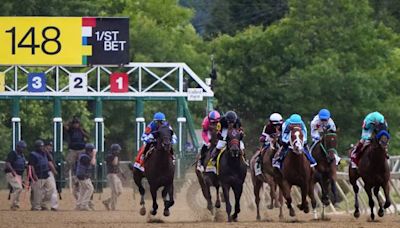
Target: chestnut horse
{"points": [[208, 179], [296, 170], [232, 172], [267, 176], [374, 171]]}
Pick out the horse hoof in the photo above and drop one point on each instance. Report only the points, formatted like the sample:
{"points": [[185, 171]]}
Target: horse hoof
{"points": [[387, 204], [300, 206], [306, 209], [209, 207], [356, 214], [380, 212], [142, 211], [229, 219], [218, 204], [372, 217], [153, 212], [291, 212], [270, 207], [166, 213], [258, 217]]}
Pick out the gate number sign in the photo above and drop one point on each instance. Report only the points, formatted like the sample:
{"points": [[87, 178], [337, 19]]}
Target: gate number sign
{"points": [[36, 82], [64, 41]]}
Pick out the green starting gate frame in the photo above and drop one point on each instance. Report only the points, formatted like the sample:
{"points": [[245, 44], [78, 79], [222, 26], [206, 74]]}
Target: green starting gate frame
{"points": [[147, 81]]}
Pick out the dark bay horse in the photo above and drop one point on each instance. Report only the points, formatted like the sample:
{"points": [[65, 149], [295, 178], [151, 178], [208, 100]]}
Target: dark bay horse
{"points": [[232, 172], [159, 171], [267, 176], [374, 171], [208, 179], [324, 153], [296, 170]]}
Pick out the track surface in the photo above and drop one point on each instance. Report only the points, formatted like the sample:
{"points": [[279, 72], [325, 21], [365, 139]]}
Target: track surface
{"points": [[189, 211]]}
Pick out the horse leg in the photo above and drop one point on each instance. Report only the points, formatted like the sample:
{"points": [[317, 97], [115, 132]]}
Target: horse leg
{"points": [[169, 190], [386, 190], [218, 201], [228, 207], [237, 190], [138, 181], [272, 194], [353, 176], [371, 203], [376, 193], [325, 186], [304, 204], [334, 192], [312, 197], [288, 197], [207, 194], [256, 188], [281, 204], [153, 191]]}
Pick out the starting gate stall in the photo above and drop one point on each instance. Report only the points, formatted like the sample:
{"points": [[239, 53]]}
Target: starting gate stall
{"points": [[82, 58]]}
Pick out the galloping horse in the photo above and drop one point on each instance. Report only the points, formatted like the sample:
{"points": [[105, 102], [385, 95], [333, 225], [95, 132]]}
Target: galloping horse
{"points": [[159, 171], [374, 171], [267, 176], [324, 153], [232, 172], [208, 179], [296, 171]]}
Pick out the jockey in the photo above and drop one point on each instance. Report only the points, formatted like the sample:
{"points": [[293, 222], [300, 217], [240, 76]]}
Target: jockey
{"points": [[148, 138], [270, 131], [230, 119], [294, 119], [210, 122], [322, 122], [369, 123]]}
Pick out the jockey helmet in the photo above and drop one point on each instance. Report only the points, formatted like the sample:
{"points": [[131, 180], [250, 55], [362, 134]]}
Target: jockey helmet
{"points": [[276, 118], [115, 147], [21, 144], [324, 114], [214, 116], [295, 119], [89, 147], [159, 116], [231, 116], [378, 117]]}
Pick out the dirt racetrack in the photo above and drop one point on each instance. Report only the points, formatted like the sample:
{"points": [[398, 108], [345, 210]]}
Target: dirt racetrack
{"points": [[189, 211]]}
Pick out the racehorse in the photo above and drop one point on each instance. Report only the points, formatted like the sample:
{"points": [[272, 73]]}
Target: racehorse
{"points": [[324, 153], [232, 171], [296, 170], [208, 179], [159, 171], [374, 171], [267, 176]]}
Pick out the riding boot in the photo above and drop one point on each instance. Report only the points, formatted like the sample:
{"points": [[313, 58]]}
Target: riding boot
{"points": [[214, 156], [309, 157], [203, 151]]}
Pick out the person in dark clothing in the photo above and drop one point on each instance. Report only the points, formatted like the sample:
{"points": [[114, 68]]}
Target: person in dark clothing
{"points": [[85, 165], [42, 187], [114, 182], [48, 147], [77, 137], [15, 167]]}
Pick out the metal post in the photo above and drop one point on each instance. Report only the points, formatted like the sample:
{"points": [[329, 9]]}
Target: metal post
{"points": [[58, 142], [181, 121], [16, 122], [140, 122], [99, 121]]}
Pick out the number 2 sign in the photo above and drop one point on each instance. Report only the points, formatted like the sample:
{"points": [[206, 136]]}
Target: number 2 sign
{"points": [[77, 83], [36, 82], [119, 83]]}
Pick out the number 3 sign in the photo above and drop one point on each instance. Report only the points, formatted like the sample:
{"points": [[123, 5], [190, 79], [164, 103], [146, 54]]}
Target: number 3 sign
{"points": [[77, 82], [119, 83], [36, 82]]}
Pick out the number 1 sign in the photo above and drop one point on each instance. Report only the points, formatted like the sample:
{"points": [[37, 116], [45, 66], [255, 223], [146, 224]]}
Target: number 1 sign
{"points": [[119, 83], [77, 83]]}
